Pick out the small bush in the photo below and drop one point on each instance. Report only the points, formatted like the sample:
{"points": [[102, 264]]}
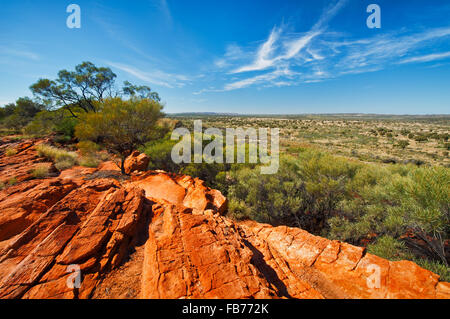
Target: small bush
{"points": [[11, 152], [41, 171], [2, 185], [160, 155]]}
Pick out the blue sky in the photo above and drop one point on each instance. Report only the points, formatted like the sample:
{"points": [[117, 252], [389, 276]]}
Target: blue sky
{"points": [[242, 56]]}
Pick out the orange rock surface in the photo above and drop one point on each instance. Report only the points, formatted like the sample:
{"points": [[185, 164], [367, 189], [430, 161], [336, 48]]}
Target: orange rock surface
{"points": [[161, 235], [136, 162]]}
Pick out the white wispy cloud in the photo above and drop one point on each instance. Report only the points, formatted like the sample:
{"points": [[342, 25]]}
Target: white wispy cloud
{"points": [[266, 55], [19, 53], [427, 58], [278, 54], [286, 59], [263, 60], [155, 77], [263, 78]]}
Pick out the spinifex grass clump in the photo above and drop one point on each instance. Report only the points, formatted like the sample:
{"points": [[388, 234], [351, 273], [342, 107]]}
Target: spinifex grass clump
{"points": [[40, 171], [63, 159]]}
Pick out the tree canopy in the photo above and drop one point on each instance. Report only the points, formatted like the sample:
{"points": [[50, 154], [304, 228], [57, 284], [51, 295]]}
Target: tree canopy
{"points": [[18, 114], [79, 90], [121, 125]]}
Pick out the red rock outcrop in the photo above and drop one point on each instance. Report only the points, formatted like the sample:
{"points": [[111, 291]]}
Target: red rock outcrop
{"points": [[136, 162], [160, 235]]}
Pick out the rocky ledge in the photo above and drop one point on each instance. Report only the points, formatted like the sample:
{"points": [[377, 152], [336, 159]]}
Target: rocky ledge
{"points": [[160, 235]]}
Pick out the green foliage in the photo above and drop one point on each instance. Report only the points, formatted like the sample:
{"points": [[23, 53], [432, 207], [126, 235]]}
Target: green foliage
{"points": [[42, 124], [66, 126], [7, 110], [389, 248], [89, 151], [141, 91], [79, 90], [19, 114], [46, 122], [304, 193], [121, 126], [160, 152]]}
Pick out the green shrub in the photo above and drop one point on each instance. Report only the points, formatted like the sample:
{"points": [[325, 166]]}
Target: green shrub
{"points": [[62, 139], [2, 186], [389, 248], [66, 127], [42, 124], [304, 193], [160, 155], [121, 125]]}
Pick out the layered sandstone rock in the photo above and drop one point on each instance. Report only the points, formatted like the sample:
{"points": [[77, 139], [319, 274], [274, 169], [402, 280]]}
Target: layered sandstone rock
{"points": [[160, 235]]}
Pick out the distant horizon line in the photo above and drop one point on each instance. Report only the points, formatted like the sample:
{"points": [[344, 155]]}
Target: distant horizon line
{"points": [[304, 114]]}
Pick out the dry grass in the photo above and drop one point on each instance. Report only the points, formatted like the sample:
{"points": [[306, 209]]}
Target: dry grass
{"points": [[63, 159], [40, 171], [11, 152]]}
